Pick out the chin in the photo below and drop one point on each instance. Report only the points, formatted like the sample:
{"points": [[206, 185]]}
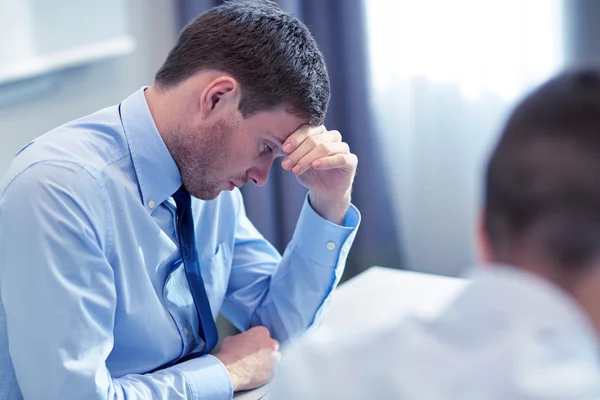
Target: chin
{"points": [[206, 193]]}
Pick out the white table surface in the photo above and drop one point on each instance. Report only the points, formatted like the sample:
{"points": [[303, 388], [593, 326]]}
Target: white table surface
{"points": [[380, 296], [377, 297]]}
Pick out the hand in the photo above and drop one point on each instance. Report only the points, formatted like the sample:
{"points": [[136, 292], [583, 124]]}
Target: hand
{"points": [[324, 165], [250, 358]]}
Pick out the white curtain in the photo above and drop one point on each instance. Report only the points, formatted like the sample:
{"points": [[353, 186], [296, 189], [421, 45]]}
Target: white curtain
{"points": [[444, 76]]}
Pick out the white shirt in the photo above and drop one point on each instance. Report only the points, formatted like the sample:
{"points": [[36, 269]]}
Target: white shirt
{"points": [[508, 336]]}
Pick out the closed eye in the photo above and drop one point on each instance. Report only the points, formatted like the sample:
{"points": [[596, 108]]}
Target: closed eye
{"points": [[267, 149]]}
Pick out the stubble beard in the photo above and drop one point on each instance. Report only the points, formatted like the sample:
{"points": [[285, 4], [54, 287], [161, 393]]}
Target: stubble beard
{"points": [[199, 156]]}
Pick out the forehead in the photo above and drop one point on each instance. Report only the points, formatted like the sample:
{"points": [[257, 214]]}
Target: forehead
{"points": [[279, 124]]}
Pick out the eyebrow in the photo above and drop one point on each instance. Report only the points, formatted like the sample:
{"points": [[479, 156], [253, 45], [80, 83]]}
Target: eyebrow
{"points": [[274, 138]]}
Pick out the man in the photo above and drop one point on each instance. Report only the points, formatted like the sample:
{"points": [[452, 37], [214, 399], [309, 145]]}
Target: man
{"points": [[527, 325], [111, 276]]}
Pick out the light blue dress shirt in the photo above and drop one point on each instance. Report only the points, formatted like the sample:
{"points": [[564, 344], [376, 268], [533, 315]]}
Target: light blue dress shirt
{"points": [[93, 295]]}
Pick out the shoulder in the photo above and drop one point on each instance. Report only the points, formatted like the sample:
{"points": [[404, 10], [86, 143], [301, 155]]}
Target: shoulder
{"points": [[91, 143], [52, 189], [48, 175]]}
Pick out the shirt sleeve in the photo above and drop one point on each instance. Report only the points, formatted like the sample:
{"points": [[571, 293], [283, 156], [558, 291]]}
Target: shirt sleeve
{"points": [[58, 294], [288, 293]]}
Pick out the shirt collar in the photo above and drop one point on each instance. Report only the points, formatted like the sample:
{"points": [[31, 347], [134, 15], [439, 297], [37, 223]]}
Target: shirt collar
{"points": [[157, 173]]}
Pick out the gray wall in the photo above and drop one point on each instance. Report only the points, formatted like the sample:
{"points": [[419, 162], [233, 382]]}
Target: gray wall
{"points": [[86, 89], [582, 31]]}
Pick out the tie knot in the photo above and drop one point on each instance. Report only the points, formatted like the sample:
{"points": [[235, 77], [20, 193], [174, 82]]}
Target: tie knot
{"points": [[182, 197]]}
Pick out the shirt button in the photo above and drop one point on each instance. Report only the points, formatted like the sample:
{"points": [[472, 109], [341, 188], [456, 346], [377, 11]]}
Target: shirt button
{"points": [[330, 245], [151, 204], [346, 248], [186, 331]]}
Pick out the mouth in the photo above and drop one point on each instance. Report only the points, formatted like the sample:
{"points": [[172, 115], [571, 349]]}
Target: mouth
{"points": [[238, 184]]}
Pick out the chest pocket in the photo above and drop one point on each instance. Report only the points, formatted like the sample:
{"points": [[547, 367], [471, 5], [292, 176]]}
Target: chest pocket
{"points": [[216, 269]]}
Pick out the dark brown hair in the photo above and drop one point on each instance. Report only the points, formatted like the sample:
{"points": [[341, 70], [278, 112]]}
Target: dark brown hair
{"points": [[543, 178], [271, 54]]}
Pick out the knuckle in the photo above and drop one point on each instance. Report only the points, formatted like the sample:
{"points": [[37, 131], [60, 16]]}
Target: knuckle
{"points": [[312, 141], [262, 330], [323, 147], [259, 331], [316, 130], [301, 163]]}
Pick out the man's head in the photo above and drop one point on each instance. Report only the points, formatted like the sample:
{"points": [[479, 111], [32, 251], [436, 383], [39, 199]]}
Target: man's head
{"points": [[241, 78], [542, 200]]}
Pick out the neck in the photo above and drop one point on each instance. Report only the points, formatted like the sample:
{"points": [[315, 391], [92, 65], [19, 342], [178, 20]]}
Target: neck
{"points": [[541, 265], [162, 116], [581, 283], [586, 294]]}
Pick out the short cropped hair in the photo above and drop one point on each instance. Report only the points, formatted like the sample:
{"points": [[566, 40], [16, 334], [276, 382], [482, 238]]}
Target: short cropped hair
{"points": [[271, 53], [543, 178]]}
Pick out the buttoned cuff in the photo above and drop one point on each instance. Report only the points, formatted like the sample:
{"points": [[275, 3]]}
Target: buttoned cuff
{"points": [[207, 378], [322, 241]]}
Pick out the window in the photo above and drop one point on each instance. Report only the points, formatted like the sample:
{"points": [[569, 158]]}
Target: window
{"points": [[40, 36], [444, 74]]}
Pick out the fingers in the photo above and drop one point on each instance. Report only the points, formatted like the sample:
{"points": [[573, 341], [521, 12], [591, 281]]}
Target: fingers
{"points": [[309, 145], [259, 330], [300, 145], [250, 357], [299, 136], [337, 161], [261, 334], [320, 151]]}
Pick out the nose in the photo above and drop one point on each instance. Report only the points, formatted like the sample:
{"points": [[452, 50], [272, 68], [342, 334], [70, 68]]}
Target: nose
{"points": [[258, 176]]}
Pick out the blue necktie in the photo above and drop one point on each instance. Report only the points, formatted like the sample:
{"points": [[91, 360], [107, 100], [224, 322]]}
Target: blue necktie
{"points": [[189, 255]]}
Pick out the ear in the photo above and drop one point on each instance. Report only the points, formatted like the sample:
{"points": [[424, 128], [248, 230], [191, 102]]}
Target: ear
{"points": [[482, 240], [220, 97]]}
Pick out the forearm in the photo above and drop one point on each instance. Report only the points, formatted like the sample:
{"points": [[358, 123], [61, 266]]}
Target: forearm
{"points": [[332, 209], [294, 302], [291, 295], [202, 378]]}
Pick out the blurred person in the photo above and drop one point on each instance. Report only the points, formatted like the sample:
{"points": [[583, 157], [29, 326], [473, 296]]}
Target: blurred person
{"points": [[527, 324], [123, 233]]}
